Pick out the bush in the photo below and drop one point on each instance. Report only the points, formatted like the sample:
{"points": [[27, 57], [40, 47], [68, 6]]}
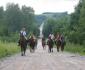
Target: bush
{"points": [[75, 48], [7, 49]]}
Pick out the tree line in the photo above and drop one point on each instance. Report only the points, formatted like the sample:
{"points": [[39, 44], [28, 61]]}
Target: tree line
{"points": [[13, 18], [71, 26]]}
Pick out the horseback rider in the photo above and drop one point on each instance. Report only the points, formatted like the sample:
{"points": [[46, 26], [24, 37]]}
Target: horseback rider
{"points": [[63, 42], [50, 44], [22, 33]]}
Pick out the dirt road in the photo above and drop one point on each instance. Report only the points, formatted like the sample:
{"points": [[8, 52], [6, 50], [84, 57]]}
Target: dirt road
{"points": [[42, 60]]}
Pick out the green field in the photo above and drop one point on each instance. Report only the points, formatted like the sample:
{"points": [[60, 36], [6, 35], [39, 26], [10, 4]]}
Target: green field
{"points": [[75, 48], [7, 49]]}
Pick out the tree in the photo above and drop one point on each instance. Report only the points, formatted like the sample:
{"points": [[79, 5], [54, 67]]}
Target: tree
{"points": [[2, 22], [81, 27], [28, 17], [13, 19], [56, 26]]}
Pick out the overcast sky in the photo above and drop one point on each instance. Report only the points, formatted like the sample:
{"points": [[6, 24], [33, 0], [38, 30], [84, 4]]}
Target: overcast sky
{"points": [[41, 6]]}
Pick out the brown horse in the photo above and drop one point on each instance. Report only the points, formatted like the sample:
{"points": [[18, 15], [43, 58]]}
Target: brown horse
{"points": [[32, 43], [63, 43], [23, 44], [50, 44], [60, 42]]}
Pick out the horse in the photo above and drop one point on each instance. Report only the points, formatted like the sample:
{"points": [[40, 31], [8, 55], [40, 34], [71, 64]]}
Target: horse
{"points": [[23, 44], [43, 43], [63, 43], [60, 43], [50, 44], [32, 43]]}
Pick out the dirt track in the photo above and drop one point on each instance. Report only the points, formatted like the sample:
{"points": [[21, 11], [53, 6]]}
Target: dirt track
{"points": [[42, 60]]}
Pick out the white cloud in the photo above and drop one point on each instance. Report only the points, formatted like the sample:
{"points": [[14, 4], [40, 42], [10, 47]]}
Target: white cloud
{"points": [[41, 6]]}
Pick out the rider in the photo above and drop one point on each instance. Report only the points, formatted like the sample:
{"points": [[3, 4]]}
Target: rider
{"points": [[50, 44], [22, 33]]}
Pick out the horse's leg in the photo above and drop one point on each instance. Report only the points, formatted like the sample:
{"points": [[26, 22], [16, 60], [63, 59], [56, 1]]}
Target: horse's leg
{"points": [[43, 46], [21, 51], [62, 48], [50, 48], [31, 48], [24, 49], [57, 48]]}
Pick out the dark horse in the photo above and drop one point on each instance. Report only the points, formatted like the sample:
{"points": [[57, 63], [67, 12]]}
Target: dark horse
{"points": [[50, 44], [43, 43], [60, 43], [23, 44], [63, 43], [32, 43]]}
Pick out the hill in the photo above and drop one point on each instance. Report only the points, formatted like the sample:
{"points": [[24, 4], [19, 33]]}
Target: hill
{"points": [[48, 15]]}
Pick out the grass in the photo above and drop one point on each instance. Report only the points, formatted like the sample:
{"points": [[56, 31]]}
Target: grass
{"points": [[75, 48], [7, 49]]}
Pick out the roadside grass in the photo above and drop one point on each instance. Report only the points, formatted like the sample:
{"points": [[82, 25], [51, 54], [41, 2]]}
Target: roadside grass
{"points": [[7, 49], [75, 48]]}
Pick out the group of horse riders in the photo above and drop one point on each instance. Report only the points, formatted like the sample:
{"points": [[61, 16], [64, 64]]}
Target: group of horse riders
{"points": [[58, 40], [52, 40]]}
